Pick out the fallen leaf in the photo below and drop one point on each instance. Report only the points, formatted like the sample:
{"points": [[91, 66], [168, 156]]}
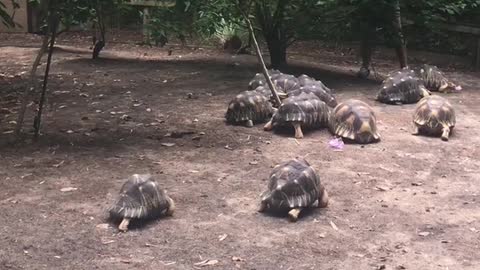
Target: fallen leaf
{"points": [[237, 259], [168, 144], [424, 233], [333, 225], [68, 189], [222, 237], [108, 242], [382, 188], [206, 263], [103, 226], [417, 184], [322, 235], [58, 164], [253, 162]]}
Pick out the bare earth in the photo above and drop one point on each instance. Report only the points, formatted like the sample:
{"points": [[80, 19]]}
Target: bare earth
{"points": [[405, 203]]}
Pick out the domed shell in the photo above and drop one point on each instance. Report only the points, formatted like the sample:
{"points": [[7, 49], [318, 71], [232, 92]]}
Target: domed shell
{"points": [[321, 93], [259, 79], [285, 83], [249, 106], [434, 79], [305, 108], [306, 81], [402, 87], [292, 184], [354, 120], [141, 197], [434, 115]]}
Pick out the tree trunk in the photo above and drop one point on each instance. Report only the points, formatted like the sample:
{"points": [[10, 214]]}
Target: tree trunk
{"points": [[278, 53], [401, 48]]}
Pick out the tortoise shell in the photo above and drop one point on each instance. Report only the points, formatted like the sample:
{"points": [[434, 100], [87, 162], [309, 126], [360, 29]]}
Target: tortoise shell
{"points": [[434, 115], [259, 79], [323, 95], [305, 80], [285, 83], [434, 79], [247, 106], [354, 120], [402, 87], [292, 184], [305, 108], [141, 197]]}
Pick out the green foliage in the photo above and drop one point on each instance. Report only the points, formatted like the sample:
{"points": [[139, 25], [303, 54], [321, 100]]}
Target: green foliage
{"points": [[5, 18]]}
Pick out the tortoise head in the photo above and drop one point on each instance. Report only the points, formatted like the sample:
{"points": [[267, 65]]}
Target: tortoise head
{"points": [[449, 86]]}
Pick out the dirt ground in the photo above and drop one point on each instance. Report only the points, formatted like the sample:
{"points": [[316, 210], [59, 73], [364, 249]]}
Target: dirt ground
{"points": [[405, 203]]}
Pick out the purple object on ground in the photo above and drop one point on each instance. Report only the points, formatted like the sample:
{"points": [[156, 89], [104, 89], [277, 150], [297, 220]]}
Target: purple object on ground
{"points": [[337, 144]]}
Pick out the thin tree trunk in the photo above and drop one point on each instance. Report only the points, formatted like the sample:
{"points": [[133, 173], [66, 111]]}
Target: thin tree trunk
{"points": [[278, 53], [31, 85], [401, 48], [38, 118]]}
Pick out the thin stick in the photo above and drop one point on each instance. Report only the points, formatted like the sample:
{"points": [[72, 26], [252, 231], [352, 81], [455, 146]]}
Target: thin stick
{"points": [[260, 58], [31, 85], [38, 118]]}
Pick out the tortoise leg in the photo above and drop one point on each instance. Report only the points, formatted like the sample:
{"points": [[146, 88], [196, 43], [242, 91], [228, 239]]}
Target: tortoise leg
{"points": [[263, 207], [323, 199], [249, 123], [293, 214], [124, 225], [268, 126], [445, 133], [298, 130], [171, 207], [416, 130]]}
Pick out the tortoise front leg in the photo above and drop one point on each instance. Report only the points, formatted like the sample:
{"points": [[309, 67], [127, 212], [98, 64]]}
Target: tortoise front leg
{"points": [[416, 130], [323, 199], [171, 207], [263, 207], [294, 213], [268, 126], [445, 133], [124, 225], [298, 130]]}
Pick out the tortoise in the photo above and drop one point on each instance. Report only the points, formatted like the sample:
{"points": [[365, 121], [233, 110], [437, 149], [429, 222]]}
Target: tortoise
{"points": [[434, 115], [402, 87], [435, 80], [285, 83], [293, 186], [303, 111], [249, 107], [259, 79], [323, 95], [354, 120], [305, 80], [141, 198]]}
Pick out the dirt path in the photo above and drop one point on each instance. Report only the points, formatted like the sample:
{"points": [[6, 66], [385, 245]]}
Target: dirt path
{"points": [[405, 203]]}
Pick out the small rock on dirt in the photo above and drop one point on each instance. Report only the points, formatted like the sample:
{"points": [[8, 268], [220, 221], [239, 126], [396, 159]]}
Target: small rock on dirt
{"points": [[68, 189], [424, 233], [167, 144]]}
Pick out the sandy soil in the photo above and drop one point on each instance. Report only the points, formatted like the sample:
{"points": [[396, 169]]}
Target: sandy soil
{"points": [[405, 203]]}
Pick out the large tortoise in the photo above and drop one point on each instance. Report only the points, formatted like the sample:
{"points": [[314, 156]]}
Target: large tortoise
{"points": [[141, 198], [435, 80], [402, 87], [249, 107], [305, 80], [434, 115], [354, 120], [321, 93], [259, 79], [293, 186], [303, 111]]}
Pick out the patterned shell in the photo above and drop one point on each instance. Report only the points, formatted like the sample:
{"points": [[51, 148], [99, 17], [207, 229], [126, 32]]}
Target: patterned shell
{"points": [[305, 80], [286, 83], [354, 120], [140, 197], [323, 95], [259, 79], [433, 113], [433, 78], [305, 108], [249, 105], [402, 87], [293, 184]]}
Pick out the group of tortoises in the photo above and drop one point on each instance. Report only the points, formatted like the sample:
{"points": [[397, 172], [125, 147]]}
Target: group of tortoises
{"points": [[307, 104]]}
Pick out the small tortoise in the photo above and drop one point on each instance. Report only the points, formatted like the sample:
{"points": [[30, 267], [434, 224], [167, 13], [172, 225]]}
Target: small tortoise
{"points": [[285, 83], [434, 115], [403, 87], [354, 120], [293, 186], [141, 198], [303, 111], [435, 80], [259, 79], [323, 95], [249, 107]]}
